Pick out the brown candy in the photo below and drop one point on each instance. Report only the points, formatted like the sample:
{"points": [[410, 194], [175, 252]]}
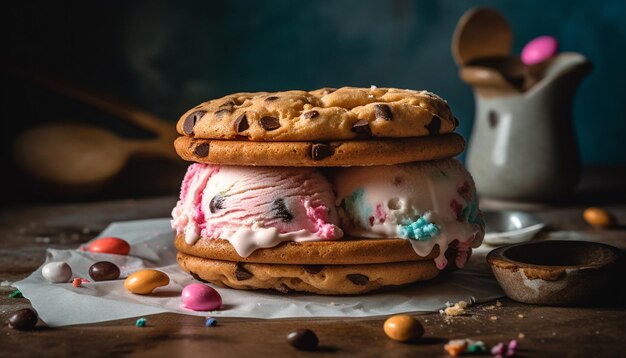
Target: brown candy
{"points": [[104, 271], [303, 339], [269, 123], [403, 328], [23, 320]]}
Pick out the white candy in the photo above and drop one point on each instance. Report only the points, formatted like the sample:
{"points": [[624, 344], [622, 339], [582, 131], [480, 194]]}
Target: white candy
{"points": [[57, 272]]}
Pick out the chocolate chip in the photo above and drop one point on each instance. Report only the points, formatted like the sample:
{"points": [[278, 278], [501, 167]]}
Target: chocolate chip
{"points": [[280, 210], [223, 111], [201, 150], [303, 339], [23, 320], [269, 123], [241, 273], [104, 271], [320, 151], [241, 123], [313, 269], [362, 128], [434, 125], [456, 121], [358, 279], [493, 119], [383, 112], [191, 121], [311, 114], [195, 276], [271, 98], [216, 203]]}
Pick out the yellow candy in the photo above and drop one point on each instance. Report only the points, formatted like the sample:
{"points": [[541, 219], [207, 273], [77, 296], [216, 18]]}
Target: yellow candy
{"points": [[599, 218], [403, 328], [143, 282]]}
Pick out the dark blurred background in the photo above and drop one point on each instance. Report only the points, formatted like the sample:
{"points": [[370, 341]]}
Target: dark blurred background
{"points": [[165, 57]]}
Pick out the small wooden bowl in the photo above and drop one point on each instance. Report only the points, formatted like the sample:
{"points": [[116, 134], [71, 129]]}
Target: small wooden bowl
{"points": [[554, 272]]}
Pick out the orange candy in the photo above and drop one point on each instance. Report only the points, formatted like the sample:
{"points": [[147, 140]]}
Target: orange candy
{"points": [[403, 328], [110, 245], [599, 218]]}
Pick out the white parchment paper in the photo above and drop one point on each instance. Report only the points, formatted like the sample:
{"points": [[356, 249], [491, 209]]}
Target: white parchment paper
{"points": [[152, 247]]}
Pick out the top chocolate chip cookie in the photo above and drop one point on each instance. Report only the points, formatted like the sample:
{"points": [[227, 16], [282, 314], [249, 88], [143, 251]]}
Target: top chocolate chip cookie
{"points": [[321, 115]]}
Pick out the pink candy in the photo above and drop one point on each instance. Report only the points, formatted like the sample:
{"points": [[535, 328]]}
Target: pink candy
{"points": [[539, 50], [200, 297]]}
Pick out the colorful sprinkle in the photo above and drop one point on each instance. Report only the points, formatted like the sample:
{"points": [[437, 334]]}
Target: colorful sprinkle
{"points": [[15, 294], [141, 322], [77, 282], [418, 230], [210, 322], [501, 350], [457, 347]]}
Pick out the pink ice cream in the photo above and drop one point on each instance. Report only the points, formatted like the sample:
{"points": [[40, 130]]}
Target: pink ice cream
{"points": [[255, 207], [428, 203]]}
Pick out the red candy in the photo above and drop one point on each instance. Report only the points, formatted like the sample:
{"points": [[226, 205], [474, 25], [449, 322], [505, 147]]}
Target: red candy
{"points": [[110, 245]]}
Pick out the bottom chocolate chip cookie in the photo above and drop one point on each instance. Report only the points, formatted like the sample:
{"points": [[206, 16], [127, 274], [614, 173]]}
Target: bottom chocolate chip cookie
{"points": [[319, 279]]}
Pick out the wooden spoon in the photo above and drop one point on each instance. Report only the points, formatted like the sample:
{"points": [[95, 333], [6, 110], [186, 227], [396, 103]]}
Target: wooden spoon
{"points": [[81, 157], [480, 33], [481, 46], [77, 155]]}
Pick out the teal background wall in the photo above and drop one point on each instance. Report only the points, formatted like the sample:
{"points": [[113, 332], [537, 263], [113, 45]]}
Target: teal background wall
{"points": [[169, 56]]}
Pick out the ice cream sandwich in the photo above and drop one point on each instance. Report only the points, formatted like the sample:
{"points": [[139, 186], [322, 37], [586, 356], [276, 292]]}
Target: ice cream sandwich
{"points": [[331, 191]]}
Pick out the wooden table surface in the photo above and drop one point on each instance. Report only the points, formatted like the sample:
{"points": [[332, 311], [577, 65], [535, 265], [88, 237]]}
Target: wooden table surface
{"points": [[598, 330]]}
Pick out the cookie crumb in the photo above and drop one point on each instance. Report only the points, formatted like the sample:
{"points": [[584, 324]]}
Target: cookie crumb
{"points": [[520, 316], [521, 336], [493, 318], [455, 310], [498, 303]]}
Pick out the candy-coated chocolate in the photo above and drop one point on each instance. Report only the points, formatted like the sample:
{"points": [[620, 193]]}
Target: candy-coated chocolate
{"points": [[539, 50], [57, 272], [303, 339], [210, 322], [104, 271], [141, 322], [143, 282], [403, 328], [200, 297], [110, 245], [23, 320], [599, 218]]}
